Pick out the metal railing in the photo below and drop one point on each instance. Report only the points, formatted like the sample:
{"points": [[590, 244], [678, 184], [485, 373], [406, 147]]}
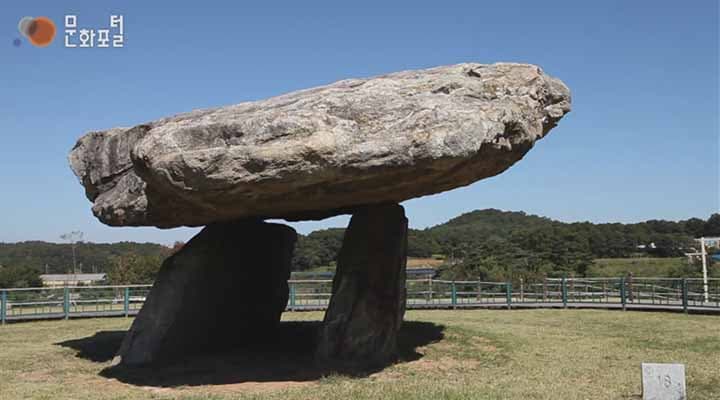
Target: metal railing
{"points": [[621, 293], [66, 302]]}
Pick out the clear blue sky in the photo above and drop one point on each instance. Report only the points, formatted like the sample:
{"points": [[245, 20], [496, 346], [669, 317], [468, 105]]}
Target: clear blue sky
{"points": [[641, 142]]}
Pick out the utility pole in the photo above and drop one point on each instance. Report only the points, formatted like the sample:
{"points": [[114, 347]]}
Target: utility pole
{"points": [[73, 238], [703, 257]]}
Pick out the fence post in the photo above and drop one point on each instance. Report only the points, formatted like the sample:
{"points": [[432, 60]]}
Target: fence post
{"points": [[522, 290], [3, 306], [623, 299], [564, 291], [66, 302], [508, 294], [545, 291], [631, 295], [685, 295], [126, 301], [652, 286], [430, 290], [587, 293], [479, 291], [605, 292], [453, 294], [292, 296]]}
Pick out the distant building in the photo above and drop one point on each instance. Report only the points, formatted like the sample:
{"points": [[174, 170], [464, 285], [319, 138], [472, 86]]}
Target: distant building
{"points": [[54, 280]]}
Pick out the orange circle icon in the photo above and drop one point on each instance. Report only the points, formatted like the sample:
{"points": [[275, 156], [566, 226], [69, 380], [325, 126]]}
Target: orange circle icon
{"points": [[40, 31]]}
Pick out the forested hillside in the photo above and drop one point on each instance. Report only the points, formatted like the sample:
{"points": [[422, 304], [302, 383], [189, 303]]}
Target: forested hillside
{"points": [[484, 244], [125, 262], [499, 245]]}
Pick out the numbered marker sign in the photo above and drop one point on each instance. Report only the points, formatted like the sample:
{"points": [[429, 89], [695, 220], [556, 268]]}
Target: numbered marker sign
{"points": [[663, 381]]}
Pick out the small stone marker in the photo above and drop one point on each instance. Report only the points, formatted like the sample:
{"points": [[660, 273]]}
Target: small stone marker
{"points": [[663, 381]]}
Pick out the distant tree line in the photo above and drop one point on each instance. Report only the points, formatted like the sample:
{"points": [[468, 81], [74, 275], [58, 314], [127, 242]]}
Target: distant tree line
{"points": [[21, 264], [500, 245], [485, 244]]}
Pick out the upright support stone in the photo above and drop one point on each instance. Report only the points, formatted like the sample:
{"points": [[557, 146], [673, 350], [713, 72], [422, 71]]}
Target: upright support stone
{"points": [[225, 285], [368, 297]]}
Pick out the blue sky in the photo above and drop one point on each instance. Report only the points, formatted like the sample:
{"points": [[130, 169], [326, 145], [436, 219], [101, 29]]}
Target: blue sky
{"points": [[641, 142]]}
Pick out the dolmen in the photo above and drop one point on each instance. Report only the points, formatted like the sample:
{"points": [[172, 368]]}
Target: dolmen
{"points": [[357, 146]]}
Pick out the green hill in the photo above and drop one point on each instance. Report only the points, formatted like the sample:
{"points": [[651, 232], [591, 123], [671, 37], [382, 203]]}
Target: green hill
{"points": [[504, 245], [500, 245], [125, 262], [484, 244], [57, 258]]}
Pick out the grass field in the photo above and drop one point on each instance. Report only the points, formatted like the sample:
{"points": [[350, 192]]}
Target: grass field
{"points": [[601, 267], [639, 266], [469, 354], [412, 262], [417, 262]]}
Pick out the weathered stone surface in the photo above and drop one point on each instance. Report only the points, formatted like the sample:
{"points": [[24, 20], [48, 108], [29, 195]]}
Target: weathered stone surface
{"points": [[368, 302], [322, 151], [663, 381], [225, 286]]}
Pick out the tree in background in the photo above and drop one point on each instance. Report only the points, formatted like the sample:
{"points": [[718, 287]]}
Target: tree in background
{"points": [[17, 276], [134, 269], [695, 227], [422, 244], [491, 244], [318, 249], [58, 256], [712, 226]]}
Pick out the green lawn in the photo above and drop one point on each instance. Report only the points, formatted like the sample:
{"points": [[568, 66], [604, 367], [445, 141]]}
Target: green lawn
{"points": [[639, 266], [463, 354]]}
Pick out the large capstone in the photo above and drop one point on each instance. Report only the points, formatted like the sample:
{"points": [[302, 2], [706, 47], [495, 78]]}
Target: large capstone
{"points": [[226, 286], [368, 295], [320, 152]]}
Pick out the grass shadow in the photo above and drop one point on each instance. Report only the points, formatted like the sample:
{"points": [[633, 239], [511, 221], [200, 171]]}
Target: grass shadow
{"points": [[286, 355], [100, 347]]}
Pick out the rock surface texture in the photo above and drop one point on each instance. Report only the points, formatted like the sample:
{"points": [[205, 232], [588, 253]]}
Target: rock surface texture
{"points": [[368, 296], [320, 152], [226, 286]]}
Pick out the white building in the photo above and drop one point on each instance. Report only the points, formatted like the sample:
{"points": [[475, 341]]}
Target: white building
{"points": [[55, 280]]}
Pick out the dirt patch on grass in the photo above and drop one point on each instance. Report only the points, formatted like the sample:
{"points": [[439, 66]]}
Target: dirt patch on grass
{"points": [[465, 348], [230, 388], [484, 344], [457, 352], [425, 366], [443, 364], [37, 376]]}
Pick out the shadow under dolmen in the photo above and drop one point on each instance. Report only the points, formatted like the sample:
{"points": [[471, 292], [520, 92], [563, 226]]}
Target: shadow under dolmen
{"points": [[286, 355]]}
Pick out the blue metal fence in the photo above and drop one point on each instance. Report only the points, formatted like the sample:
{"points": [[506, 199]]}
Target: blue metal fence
{"points": [[621, 293], [67, 302]]}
